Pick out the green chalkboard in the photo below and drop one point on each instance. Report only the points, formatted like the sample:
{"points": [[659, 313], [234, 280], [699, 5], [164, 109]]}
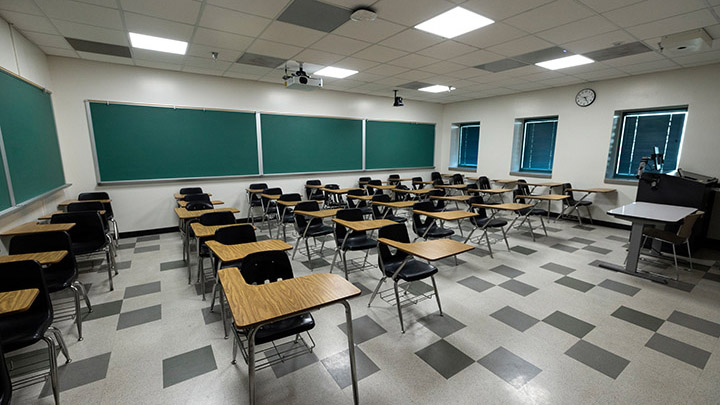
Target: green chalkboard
{"points": [[395, 145], [137, 142], [30, 139], [295, 144]]}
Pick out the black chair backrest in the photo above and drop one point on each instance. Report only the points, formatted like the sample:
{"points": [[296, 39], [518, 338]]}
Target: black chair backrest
{"points": [[217, 218], [257, 186], [270, 266], [353, 203], [364, 179], [270, 191], [291, 197], [566, 191], [23, 275], [516, 193], [5, 384], [301, 221], [417, 179], [375, 182], [481, 211], [85, 206], [398, 233], [88, 229], [198, 206], [236, 234], [46, 242], [191, 190], [310, 192], [349, 214], [197, 197], [458, 178], [523, 187], [98, 195], [435, 176], [393, 176], [483, 183], [438, 205]]}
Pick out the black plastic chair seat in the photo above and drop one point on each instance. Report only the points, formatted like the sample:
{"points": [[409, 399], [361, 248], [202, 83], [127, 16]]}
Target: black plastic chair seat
{"points": [[435, 232], [82, 248], [533, 211], [318, 230], [489, 223], [583, 203], [283, 328], [58, 280], [205, 251], [25, 330], [366, 210], [395, 218], [412, 271], [358, 242]]}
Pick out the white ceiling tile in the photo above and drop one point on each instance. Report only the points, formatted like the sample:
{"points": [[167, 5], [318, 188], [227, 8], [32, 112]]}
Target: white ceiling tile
{"points": [[371, 87], [414, 75], [207, 63], [601, 41], [411, 40], [647, 67], [502, 9], [350, 4], [54, 41], [634, 59], [204, 51], [345, 84], [204, 36], [386, 70], [562, 81], [59, 52], [291, 34], [477, 58], [29, 22], [465, 73], [142, 24], [157, 65], [366, 77], [550, 15], [263, 8], [602, 74], [520, 46], [369, 31], [250, 69], [542, 76], [529, 86], [232, 21], [652, 10], [202, 71], [411, 12], [185, 11], [340, 45], [20, 6], [602, 6], [392, 81], [105, 58], [588, 27], [590, 67], [672, 25], [318, 57], [154, 56], [714, 30], [699, 59], [104, 3], [490, 35], [379, 53], [413, 61], [81, 13], [446, 50], [356, 64], [442, 67], [244, 76], [278, 50], [91, 33]]}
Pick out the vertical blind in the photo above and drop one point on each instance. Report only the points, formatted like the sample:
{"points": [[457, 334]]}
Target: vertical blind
{"points": [[642, 132], [469, 141], [538, 145]]}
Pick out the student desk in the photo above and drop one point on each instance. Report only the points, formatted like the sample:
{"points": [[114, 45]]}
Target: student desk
{"points": [[641, 214], [183, 204], [12, 302], [418, 185], [456, 198], [321, 214], [68, 202], [48, 217], [446, 216], [387, 187], [337, 193], [460, 187], [430, 250], [31, 228], [360, 197], [253, 306], [394, 204], [250, 193], [44, 258], [539, 198], [421, 193], [587, 192], [504, 182], [181, 196], [395, 181], [495, 192], [184, 216], [205, 231], [286, 205], [271, 198], [514, 207], [356, 226]]}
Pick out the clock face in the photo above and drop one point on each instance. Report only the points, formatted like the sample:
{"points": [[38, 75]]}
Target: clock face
{"points": [[585, 97]]}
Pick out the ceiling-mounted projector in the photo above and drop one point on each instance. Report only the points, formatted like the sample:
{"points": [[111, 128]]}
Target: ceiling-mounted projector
{"points": [[300, 80], [684, 43]]}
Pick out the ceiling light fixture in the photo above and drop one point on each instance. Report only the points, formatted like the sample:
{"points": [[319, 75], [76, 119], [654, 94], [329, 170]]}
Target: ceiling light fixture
{"points": [[363, 14], [158, 44], [566, 62], [437, 88], [398, 100], [455, 22], [338, 73]]}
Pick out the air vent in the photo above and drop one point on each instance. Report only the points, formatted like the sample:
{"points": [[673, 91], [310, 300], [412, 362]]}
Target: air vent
{"points": [[260, 60], [316, 15], [619, 51], [415, 85], [501, 65], [543, 55], [99, 47]]}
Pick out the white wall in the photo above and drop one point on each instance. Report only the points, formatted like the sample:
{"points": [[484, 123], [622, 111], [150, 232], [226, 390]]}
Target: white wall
{"points": [[21, 57], [150, 206], [583, 135]]}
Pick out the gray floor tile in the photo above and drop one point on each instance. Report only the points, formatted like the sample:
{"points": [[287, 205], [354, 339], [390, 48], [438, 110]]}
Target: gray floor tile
{"points": [[188, 365], [557, 268], [518, 287], [679, 350], [363, 290], [598, 358], [316, 263], [695, 323], [148, 238], [575, 284], [513, 369], [145, 249], [584, 227], [597, 249], [617, 238], [80, 372], [507, 271], [210, 317], [102, 310], [476, 284], [417, 288], [581, 240], [208, 286], [514, 318], [564, 248], [123, 246], [638, 318], [122, 265], [619, 287], [139, 317], [364, 329], [286, 367], [570, 324], [142, 289], [445, 358], [338, 365], [522, 249], [712, 277], [552, 229], [175, 264], [442, 326]]}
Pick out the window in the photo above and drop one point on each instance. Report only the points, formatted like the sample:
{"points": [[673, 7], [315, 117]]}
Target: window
{"points": [[638, 133], [468, 145], [534, 145]]}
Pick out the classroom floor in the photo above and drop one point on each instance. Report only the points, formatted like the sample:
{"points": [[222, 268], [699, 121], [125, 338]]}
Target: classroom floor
{"points": [[540, 325]]}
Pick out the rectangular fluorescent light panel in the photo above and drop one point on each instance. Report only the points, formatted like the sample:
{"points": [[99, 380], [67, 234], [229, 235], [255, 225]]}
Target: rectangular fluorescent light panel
{"points": [[566, 62], [455, 22], [335, 72], [157, 44], [437, 88]]}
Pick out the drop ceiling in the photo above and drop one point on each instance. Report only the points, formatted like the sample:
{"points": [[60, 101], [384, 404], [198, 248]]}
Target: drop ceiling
{"points": [[250, 35]]}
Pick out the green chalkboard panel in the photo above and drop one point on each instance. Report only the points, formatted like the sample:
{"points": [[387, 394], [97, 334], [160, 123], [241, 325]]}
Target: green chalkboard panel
{"points": [[395, 145], [295, 144], [137, 142], [5, 201], [30, 139]]}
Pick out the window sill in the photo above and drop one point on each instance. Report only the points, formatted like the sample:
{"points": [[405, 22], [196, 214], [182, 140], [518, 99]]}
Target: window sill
{"points": [[625, 182], [464, 169], [532, 174]]}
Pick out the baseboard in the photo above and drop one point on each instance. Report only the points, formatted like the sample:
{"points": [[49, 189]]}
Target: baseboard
{"points": [[599, 222], [148, 232]]}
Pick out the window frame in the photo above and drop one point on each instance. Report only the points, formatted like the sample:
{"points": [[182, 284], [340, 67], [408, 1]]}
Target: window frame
{"points": [[521, 139], [460, 126]]}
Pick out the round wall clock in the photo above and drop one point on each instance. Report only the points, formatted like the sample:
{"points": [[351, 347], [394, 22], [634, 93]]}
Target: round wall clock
{"points": [[585, 97]]}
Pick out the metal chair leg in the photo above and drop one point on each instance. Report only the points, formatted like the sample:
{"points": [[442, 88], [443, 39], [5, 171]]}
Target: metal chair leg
{"points": [[543, 225], [687, 242], [332, 265], [61, 342], [437, 296], [505, 237], [53, 368], [297, 243], [677, 269], [109, 266], [78, 318], [81, 286], [307, 248], [372, 297], [344, 259], [587, 207], [397, 302]]}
